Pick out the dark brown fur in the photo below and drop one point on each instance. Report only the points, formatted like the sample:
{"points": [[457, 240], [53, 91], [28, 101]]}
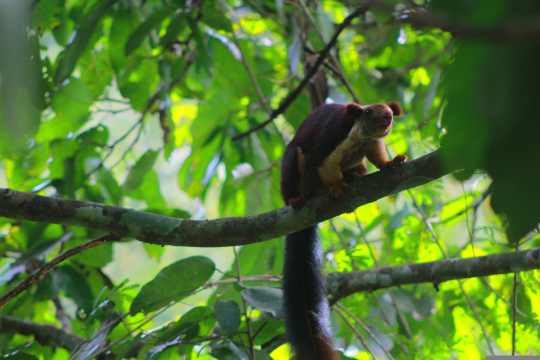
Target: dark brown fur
{"points": [[319, 136], [334, 139]]}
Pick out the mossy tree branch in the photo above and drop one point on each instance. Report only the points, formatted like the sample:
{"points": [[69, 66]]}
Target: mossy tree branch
{"points": [[164, 230], [341, 285]]}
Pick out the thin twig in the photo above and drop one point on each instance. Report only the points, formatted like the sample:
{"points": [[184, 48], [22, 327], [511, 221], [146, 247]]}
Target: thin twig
{"points": [[111, 147], [47, 268], [498, 296], [477, 317], [251, 75], [473, 207], [357, 333], [436, 240], [514, 306], [312, 71], [244, 307], [405, 324], [365, 327], [129, 331], [241, 279], [333, 63]]}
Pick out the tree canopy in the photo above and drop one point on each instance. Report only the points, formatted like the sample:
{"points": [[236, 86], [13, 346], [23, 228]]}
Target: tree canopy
{"points": [[140, 148]]}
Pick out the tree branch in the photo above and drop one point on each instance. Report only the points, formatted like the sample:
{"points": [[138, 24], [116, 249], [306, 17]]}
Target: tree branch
{"points": [[48, 267], [47, 335], [284, 104], [341, 285], [164, 230]]}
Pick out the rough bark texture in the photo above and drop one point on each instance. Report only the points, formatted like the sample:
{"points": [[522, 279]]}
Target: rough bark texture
{"points": [[163, 230], [341, 285]]}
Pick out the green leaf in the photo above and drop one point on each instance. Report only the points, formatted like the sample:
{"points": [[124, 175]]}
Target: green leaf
{"points": [[124, 23], [261, 258], [81, 40], [138, 81], [227, 315], [298, 110], [149, 191], [229, 350], [71, 105], [96, 71], [174, 29], [154, 251], [64, 29], [97, 136], [142, 31], [75, 286], [45, 13], [173, 283], [269, 329], [60, 151], [136, 176], [266, 299], [97, 257], [214, 16], [196, 171], [197, 322]]}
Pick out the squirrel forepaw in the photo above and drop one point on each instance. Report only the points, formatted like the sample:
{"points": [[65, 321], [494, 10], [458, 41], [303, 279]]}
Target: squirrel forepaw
{"points": [[398, 160]]}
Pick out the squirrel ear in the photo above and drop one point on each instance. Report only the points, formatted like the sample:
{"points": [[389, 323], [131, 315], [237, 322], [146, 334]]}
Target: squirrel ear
{"points": [[354, 109], [395, 107]]}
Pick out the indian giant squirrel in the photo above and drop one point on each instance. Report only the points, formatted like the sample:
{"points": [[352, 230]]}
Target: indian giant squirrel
{"points": [[332, 142]]}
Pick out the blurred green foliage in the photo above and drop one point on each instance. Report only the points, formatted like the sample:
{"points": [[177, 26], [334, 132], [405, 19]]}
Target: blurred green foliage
{"points": [[490, 116], [136, 103]]}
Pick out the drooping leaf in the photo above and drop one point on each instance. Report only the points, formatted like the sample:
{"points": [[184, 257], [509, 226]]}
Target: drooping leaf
{"points": [[214, 16], [150, 191], [140, 169], [175, 28], [143, 30], [227, 315], [71, 105], [154, 251], [198, 321], [98, 256], [80, 42], [173, 283], [266, 299], [96, 71], [75, 286]]}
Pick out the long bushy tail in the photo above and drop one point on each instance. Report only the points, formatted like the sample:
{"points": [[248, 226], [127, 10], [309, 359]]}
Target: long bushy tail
{"points": [[306, 307]]}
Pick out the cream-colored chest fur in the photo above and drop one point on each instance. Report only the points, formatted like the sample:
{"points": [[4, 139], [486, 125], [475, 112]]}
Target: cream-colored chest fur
{"points": [[330, 170]]}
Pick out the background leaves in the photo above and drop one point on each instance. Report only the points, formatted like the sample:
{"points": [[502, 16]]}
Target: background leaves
{"points": [[136, 104]]}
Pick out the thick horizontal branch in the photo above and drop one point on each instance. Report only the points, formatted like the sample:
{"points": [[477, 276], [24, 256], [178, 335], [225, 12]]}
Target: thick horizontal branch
{"points": [[341, 285], [47, 335], [164, 230]]}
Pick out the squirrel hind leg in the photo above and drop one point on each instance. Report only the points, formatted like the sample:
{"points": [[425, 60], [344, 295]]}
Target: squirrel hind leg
{"points": [[332, 179]]}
